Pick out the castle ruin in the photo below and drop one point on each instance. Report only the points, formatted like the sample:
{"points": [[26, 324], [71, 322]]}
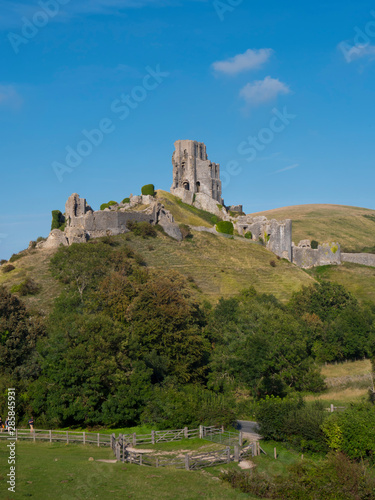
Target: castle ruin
{"points": [[196, 181], [194, 173]]}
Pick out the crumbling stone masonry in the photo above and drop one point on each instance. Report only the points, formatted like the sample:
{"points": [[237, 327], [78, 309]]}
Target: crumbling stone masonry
{"points": [[306, 257], [194, 173], [83, 223]]}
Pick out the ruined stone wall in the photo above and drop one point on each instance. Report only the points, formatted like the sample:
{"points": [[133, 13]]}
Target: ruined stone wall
{"points": [[365, 259], [307, 257], [277, 236]]}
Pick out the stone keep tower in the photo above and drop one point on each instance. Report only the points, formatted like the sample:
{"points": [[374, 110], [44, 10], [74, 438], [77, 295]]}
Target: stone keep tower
{"points": [[194, 173]]}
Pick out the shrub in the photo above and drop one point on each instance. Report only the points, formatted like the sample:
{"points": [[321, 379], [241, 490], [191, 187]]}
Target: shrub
{"points": [[330, 479], [15, 256], [148, 189], [314, 245], [8, 268], [143, 229], [272, 263], [219, 206], [3, 261], [272, 414], [225, 227], [185, 231], [40, 238], [107, 205], [126, 200], [27, 287], [58, 220], [249, 235]]}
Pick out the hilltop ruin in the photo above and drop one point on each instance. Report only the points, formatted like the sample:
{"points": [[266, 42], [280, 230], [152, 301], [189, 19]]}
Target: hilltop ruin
{"points": [[196, 181]]}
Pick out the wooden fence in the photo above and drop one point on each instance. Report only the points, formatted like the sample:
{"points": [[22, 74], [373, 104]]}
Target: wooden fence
{"points": [[189, 461], [60, 436]]}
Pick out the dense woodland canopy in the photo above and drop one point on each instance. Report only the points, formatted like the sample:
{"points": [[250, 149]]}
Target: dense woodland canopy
{"points": [[126, 345]]}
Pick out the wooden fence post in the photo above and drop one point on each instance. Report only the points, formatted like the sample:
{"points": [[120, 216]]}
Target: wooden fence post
{"points": [[16, 434], [141, 459], [134, 439], [157, 462], [201, 432], [34, 436], [222, 428], [236, 453], [228, 455], [67, 437], [187, 465], [98, 439], [84, 437], [117, 451], [153, 437], [240, 438], [50, 436], [258, 448], [186, 434], [332, 408], [275, 453]]}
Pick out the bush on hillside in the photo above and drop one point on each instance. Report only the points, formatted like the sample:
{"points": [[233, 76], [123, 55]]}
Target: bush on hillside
{"points": [[185, 231], [107, 205], [148, 189], [249, 235], [27, 287], [58, 220], [8, 268], [314, 245], [225, 227], [126, 200], [144, 229], [15, 257]]}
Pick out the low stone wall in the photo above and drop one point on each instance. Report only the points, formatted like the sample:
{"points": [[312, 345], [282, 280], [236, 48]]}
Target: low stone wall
{"points": [[365, 259], [327, 254]]}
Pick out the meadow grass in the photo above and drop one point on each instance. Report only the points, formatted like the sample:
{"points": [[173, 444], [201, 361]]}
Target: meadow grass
{"points": [[64, 472], [352, 227]]}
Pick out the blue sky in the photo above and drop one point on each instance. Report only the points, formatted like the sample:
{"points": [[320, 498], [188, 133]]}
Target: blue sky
{"points": [[221, 72]]}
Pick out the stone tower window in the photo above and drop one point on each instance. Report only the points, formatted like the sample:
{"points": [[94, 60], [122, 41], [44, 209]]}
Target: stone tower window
{"points": [[198, 186], [186, 186]]}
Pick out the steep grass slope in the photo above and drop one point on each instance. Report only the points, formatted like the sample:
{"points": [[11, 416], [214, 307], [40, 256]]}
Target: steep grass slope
{"points": [[353, 227]]}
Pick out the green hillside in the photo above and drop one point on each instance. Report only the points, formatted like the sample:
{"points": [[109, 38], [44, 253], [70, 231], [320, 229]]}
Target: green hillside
{"points": [[353, 227], [220, 266]]}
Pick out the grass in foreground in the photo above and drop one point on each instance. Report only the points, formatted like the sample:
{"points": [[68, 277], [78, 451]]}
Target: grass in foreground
{"points": [[64, 472]]}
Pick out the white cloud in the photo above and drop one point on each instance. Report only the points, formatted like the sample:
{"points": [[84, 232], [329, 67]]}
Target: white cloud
{"points": [[9, 96], [291, 167], [352, 53], [262, 91], [251, 59]]}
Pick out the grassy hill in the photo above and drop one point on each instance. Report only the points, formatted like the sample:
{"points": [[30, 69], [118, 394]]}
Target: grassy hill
{"points": [[221, 266], [353, 227]]}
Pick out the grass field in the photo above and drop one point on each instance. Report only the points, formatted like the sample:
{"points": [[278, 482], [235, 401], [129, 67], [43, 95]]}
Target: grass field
{"points": [[359, 280], [346, 382], [222, 266], [352, 227], [60, 472]]}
